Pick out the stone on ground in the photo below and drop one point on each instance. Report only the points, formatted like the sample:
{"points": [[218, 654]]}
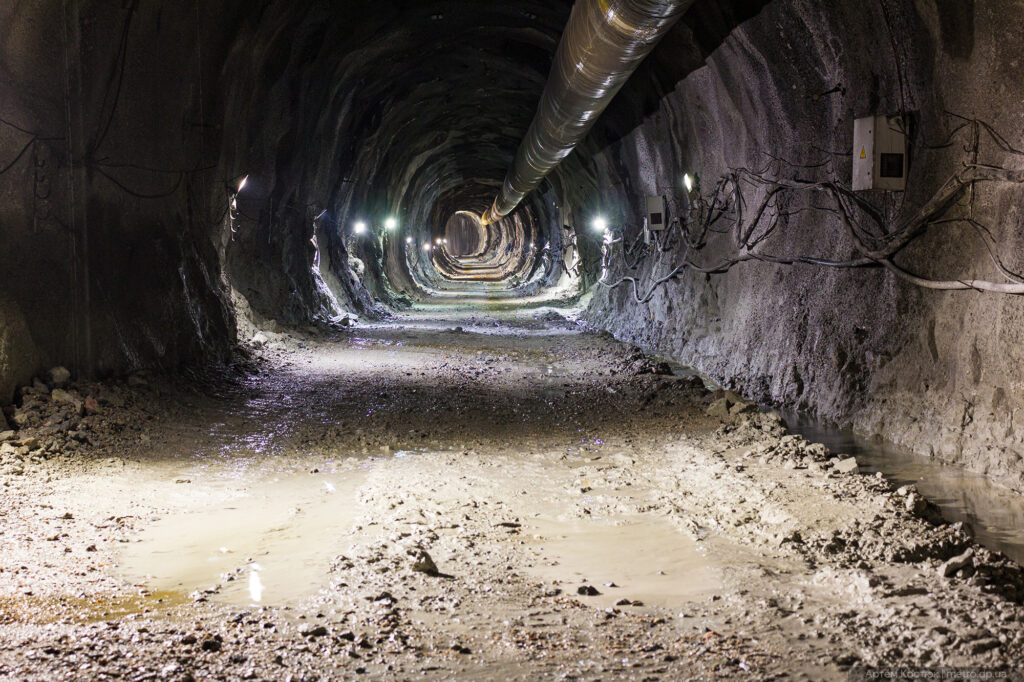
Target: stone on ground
{"points": [[59, 377], [956, 564], [719, 408], [847, 466], [424, 564]]}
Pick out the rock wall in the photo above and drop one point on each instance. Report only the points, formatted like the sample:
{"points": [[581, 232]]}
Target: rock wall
{"points": [[121, 133], [939, 372], [108, 205], [17, 351]]}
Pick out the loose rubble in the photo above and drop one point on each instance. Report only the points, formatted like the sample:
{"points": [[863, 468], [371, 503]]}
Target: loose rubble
{"points": [[469, 455]]}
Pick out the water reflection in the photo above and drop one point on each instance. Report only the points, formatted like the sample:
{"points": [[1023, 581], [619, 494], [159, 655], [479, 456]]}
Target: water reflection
{"points": [[266, 539], [255, 583], [604, 553], [995, 515]]}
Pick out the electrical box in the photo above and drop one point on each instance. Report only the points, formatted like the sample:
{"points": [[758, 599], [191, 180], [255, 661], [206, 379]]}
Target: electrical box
{"points": [[657, 213], [880, 153]]}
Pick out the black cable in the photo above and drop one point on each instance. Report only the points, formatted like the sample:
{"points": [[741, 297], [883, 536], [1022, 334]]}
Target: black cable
{"points": [[34, 134], [847, 203], [122, 60], [18, 157], [140, 195], [16, 127], [148, 169]]}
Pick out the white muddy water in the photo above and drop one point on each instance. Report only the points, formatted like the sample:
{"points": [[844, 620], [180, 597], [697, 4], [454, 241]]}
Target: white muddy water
{"points": [[993, 514], [267, 541], [639, 558]]}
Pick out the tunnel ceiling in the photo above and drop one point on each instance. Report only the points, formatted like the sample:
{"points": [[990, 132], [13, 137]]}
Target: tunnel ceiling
{"points": [[458, 79], [125, 146], [412, 110]]}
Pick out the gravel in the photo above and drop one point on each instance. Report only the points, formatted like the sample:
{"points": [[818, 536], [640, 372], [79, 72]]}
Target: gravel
{"points": [[460, 447]]}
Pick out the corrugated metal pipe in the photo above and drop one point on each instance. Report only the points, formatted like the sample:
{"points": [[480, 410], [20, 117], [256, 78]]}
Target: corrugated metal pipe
{"points": [[603, 44]]}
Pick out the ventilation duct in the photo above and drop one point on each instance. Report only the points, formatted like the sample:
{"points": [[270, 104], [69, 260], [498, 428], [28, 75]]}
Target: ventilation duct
{"points": [[603, 44]]}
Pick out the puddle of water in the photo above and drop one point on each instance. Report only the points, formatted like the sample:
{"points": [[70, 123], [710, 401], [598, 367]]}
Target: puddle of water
{"points": [[993, 514], [272, 543], [647, 558], [42, 610]]}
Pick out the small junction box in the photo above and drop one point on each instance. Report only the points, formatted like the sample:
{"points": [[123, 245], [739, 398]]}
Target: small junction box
{"points": [[880, 153], [657, 213]]}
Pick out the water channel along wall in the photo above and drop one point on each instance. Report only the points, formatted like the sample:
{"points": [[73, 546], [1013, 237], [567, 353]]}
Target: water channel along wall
{"points": [[932, 371]]}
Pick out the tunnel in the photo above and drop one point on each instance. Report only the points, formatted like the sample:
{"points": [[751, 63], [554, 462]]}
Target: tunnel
{"points": [[448, 339]]}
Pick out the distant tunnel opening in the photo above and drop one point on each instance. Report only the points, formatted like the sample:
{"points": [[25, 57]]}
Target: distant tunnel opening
{"points": [[467, 237]]}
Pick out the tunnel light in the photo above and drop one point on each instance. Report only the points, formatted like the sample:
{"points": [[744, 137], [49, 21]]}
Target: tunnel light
{"points": [[688, 182], [235, 185], [444, 241], [359, 227], [426, 247], [600, 224], [390, 224], [408, 240]]}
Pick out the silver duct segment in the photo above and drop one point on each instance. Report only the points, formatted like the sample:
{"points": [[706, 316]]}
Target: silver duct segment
{"points": [[603, 44]]}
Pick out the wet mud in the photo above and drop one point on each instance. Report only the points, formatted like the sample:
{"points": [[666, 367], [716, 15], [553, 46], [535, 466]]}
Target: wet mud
{"points": [[468, 495]]}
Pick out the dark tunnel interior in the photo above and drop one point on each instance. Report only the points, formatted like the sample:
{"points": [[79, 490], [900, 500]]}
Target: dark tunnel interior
{"points": [[340, 116], [815, 208]]}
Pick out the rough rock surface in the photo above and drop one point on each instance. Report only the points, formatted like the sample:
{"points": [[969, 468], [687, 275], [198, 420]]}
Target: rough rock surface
{"points": [[18, 358], [124, 235], [936, 372], [442, 516]]}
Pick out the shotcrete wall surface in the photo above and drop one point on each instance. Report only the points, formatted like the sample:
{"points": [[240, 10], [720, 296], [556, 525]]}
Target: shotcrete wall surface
{"points": [[938, 372], [108, 147]]}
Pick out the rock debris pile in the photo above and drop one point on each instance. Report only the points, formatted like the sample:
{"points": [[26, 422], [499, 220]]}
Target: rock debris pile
{"points": [[472, 460]]}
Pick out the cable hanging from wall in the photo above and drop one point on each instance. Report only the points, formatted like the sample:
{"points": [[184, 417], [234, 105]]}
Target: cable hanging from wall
{"points": [[877, 239]]}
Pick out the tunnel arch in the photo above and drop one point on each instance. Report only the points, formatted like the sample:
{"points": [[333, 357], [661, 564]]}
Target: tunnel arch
{"points": [[121, 162]]}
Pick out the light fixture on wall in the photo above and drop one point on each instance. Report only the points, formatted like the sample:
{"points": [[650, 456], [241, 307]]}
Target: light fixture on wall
{"points": [[236, 184], [687, 182], [359, 227], [390, 224], [233, 187], [600, 224], [408, 240]]}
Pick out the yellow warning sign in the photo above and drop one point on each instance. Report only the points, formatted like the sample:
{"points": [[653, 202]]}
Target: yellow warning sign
{"points": [[863, 152]]}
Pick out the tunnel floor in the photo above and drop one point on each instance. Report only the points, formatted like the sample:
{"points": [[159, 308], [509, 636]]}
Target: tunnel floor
{"points": [[475, 493]]}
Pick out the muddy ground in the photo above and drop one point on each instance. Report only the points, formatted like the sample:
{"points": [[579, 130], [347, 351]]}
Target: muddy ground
{"points": [[491, 496]]}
